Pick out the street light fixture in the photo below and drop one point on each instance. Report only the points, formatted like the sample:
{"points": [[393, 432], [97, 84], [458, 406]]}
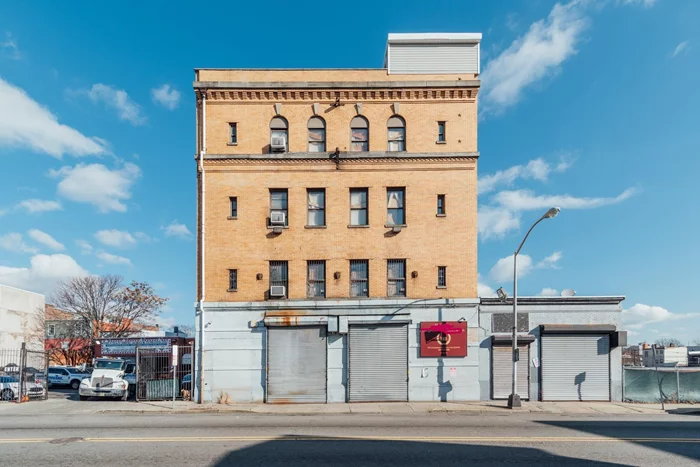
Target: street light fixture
{"points": [[514, 398]]}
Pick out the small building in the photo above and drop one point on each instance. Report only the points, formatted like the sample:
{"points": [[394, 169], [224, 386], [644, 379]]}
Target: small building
{"points": [[570, 348], [665, 356]]}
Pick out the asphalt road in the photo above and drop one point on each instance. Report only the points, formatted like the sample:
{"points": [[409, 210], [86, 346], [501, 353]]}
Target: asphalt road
{"points": [[156, 440]]}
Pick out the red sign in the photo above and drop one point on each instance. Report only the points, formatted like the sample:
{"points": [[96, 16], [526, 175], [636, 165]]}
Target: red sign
{"points": [[443, 339]]}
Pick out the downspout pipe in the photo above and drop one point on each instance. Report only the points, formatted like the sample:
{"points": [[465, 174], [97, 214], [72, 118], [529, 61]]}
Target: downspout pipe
{"points": [[202, 191]]}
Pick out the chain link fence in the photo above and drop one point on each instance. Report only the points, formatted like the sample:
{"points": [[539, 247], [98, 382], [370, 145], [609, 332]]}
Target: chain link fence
{"points": [[23, 375], [679, 384]]}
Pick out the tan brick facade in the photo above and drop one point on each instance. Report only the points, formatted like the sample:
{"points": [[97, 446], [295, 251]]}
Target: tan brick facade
{"points": [[427, 241]]}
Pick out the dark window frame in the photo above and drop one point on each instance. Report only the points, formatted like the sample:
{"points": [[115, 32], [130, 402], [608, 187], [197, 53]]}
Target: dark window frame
{"points": [[278, 126], [441, 205], [286, 205], [312, 285], [360, 209], [233, 280], [442, 132], [316, 120], [359, 122], [321, 209], [233, 203], [396, 122], [233, 133], [442, 277], [396, 282], [359, 266], [283, 273], [402, 209]]}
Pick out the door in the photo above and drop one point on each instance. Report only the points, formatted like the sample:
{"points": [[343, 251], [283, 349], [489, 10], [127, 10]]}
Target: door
{"points": [[575, 367], [502, 371], [378, 356], [296, 364]]}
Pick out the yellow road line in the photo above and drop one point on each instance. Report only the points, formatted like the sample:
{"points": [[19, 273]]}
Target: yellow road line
{"points": [[489, 439]]}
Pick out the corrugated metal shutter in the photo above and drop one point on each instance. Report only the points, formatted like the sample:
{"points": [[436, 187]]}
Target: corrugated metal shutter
{"points": [[296, 364], [502, 371], [378, 363], [433, 58], [575, 367]]}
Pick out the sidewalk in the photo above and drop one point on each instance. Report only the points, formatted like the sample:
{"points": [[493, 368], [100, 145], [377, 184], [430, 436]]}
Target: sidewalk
{"points": [[70, 407]]}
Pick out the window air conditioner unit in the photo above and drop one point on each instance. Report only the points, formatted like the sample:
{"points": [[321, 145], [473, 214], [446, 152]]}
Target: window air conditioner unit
{"points": [[277, 291], [278, 144], [277, 218]]}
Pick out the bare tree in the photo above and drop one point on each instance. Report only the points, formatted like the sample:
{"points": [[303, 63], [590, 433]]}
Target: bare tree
{"points": [[104, 307], [668, 341]]}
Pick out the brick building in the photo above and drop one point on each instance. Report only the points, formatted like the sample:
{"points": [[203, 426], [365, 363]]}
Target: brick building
{"points": [[337, 211]]}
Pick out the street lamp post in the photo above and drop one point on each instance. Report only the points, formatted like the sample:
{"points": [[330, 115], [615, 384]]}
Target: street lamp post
{"points": [[514, 398]]}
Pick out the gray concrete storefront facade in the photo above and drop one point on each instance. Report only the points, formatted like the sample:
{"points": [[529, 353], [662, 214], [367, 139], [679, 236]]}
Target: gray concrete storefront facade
{"points": [[233, 349], [566, 320]]}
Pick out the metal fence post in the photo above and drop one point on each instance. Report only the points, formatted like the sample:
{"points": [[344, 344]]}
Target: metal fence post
{"points": [[136, 389], [22, 366], [678, 385]]}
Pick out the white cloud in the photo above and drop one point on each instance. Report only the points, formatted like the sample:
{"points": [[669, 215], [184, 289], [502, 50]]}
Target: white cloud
{"points": [[115, 238], [641, 315], [15, 243], [681, 48], [45, 239], [536, 169], [166, 96], [113, 259], [27, 124], [495, 222], [644, 3], [42, 274], [548, 292], [525, 200], [484, 290], [9, 47], [165, 322], [85, 247], [119, 100], [144, 237], [97, 185], [175, 229], [502, 271], [535, 55], [39, 205]]}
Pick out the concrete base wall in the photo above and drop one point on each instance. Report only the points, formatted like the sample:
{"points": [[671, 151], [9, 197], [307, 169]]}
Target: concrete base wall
{"points": [[232, 355]]}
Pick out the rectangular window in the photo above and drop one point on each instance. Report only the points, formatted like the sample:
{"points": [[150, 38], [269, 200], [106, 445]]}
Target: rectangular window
{"points": [[442, 276], [395, 206], [51, 330], [234, 207], [359, 140], [396, 277], [316, 279], [359, 278], [441, 205], [278, 204], [397, 139], [441, 132], [233, 279], [317, 139], [233, 133], [316, 207], [278, 275], [358, 206]]}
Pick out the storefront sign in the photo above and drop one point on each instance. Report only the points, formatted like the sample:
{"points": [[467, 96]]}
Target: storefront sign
{"points": [[128, 346], [443, 339]]}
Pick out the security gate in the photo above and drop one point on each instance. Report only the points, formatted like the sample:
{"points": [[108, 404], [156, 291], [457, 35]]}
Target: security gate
{"points": [[296, 364], [159, 376], [502, 371], [378, 369], [23, 375], [575, 367]]}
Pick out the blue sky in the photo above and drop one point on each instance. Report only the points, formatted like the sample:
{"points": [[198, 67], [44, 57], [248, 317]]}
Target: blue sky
{"points": [[590, 105]]}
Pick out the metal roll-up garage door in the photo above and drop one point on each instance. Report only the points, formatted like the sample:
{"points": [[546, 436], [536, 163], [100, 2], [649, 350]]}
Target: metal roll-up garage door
{"points": [[378, 363], [296, 364], [575, 367], [502, 371]]}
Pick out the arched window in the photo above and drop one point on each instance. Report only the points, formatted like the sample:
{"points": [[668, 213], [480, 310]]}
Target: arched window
{"points": [[279, 128], [359, 134], [317, 134], [396, 133]]}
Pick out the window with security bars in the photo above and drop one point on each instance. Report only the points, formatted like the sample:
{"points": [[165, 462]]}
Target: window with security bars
{"points": [[358, 206], [359, 278], [278, 274], [316, 279], [316, 213], [396, 277], [233, 279], [442, 276], [395, 210]]}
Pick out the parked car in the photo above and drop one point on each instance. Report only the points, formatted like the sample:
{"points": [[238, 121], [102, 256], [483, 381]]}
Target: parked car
{"points": [[9, 388], [66, 376], [31, 374]]}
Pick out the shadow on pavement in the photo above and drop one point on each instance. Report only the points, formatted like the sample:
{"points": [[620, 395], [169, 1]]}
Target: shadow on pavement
{"points": [[340, 452], [653, 434], [63, 393], [684, 411]]}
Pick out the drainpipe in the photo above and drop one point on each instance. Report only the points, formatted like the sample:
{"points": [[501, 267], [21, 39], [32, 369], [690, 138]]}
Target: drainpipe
{"points": [[202, 191]]}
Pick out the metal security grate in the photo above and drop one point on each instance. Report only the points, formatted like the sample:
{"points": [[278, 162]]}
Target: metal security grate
{"points": [[233, 279], [442, 276], [396, 277], [359, 278], [278, 274], [316, 279]]}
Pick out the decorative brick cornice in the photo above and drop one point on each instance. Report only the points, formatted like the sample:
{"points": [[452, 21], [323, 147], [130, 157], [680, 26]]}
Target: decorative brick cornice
{"points": [[352, 95]]}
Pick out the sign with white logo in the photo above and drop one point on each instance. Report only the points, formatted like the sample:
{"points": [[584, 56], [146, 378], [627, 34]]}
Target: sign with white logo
{"points": [[128, 346]]}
